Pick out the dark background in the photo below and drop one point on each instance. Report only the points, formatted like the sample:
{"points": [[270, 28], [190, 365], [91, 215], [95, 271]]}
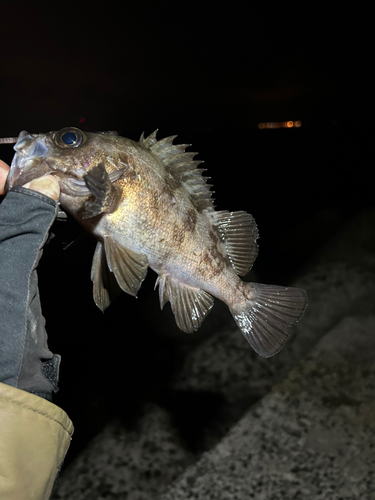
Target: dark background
{"points": [[211, 74]]}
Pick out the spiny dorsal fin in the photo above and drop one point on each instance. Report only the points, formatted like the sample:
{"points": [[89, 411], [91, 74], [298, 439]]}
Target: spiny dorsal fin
{"points": [[183, 167], [239, 233], [148, 141], [189, 305]]}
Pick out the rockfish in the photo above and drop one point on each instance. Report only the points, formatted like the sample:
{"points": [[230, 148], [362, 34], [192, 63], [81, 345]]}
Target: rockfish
{"points": [[148, 205]]}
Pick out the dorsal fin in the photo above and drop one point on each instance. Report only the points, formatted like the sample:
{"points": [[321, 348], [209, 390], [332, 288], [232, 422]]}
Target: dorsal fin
{"points": [[239, 233], [183, 167], [148, 141]]}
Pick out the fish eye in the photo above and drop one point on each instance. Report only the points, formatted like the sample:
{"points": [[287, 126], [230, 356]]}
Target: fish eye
{"points": [[69, 137]]}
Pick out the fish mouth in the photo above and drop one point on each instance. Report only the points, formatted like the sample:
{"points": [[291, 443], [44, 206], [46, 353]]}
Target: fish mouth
{"points": [[28, 162]]}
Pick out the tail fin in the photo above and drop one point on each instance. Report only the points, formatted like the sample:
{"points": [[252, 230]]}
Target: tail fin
{"points": [[266, 316]]}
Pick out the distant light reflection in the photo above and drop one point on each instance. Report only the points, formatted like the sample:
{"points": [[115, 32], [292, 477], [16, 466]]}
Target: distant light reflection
{"points": [[288, 124]]}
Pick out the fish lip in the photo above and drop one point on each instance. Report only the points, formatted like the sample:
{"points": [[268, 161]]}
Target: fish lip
{"points": [[30, 150], [19, 172], [14, 172], [31, 145], [22, 139]]}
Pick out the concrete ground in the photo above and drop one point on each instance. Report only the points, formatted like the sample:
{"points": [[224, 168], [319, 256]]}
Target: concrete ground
{"points": [[298, 425]]}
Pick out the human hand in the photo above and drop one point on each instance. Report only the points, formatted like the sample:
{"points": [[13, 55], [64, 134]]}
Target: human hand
{"points": [[47, 184], [4, 169]]}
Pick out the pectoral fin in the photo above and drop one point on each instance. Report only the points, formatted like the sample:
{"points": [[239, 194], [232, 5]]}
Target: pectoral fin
{"points": [[105, 286], [129, 267], [189, 305], [105, 195]]}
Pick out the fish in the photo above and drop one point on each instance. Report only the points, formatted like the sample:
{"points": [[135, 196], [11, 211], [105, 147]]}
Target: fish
{"points": [[149, 205]]}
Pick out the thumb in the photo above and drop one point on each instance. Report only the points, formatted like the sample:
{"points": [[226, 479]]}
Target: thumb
{"points": [[48, 185]]}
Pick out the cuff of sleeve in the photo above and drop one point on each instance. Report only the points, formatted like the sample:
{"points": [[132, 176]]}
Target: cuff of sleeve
{"points": [[34, 438], [35, 194]]}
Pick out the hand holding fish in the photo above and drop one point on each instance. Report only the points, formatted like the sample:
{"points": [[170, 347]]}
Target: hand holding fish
{"points": [[47, 184], [148, 205]]}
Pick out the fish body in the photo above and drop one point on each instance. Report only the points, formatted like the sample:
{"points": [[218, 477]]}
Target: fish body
{"points": [[148, 205]]}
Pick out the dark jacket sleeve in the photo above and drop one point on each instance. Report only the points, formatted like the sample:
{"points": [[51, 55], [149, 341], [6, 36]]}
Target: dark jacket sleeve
{"points": [[26, 362], [35, 434]]}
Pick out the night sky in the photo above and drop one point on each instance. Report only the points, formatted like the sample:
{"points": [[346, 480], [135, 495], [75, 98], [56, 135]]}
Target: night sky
{"points": [[141, 65]]}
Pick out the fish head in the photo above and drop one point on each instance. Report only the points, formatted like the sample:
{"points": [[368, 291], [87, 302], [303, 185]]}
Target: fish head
{"points": [[67, 154]]}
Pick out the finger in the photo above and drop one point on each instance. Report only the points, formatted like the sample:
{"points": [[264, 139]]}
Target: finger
{"points": [[48, 185], [4, 170]]}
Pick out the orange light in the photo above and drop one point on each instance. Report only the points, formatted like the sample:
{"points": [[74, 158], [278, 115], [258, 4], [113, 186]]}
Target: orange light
{"points": [[289, 124]]}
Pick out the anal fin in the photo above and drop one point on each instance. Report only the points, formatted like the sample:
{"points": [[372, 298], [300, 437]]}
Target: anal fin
{"points": [[189, 305]]}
